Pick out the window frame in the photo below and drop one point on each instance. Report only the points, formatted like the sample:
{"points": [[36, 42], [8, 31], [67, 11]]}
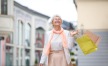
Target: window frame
{"points": [[20, 38], [4, 6], [27, 34]]}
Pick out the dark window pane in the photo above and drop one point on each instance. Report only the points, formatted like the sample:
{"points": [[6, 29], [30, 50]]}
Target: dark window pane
{"points": [[27, 57], [9, 38], [27, 34], [9, 56], [39, 41], [38, 54], [4, 7], [20, 32]]}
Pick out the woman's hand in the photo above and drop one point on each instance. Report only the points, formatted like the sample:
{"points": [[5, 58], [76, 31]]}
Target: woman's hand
{"points": [[74, 32], [40, 64]]}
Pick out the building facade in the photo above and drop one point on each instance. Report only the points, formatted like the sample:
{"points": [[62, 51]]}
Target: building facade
{"points": [[6, 26], [92, 15], [30, 27], [23, 32]]}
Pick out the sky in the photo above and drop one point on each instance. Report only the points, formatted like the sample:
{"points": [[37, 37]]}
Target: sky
{"points": [[64, 8]]}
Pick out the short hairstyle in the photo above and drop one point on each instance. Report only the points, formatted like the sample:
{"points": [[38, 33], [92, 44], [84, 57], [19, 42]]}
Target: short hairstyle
{"points": [[51, 19]]}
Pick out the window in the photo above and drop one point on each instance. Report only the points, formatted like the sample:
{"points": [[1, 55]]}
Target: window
{"points": [[9, 56], [39, 42], [9, 38], [38, 54], [27, 57], [17, 56], [27, 34], [20, 32], [21, 57], [4, 7]]}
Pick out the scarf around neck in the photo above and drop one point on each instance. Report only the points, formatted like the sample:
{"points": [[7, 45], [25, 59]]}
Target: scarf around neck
{"points": [[64, 41]]}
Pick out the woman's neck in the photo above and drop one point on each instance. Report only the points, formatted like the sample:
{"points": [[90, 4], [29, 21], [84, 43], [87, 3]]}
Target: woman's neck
{"points": [[57, 28]]}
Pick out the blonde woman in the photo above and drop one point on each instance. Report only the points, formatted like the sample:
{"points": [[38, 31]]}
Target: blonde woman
{"points": [[58, 43]]}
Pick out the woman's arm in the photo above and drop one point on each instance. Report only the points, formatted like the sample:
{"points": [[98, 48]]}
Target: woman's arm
{"points": [[44, 57], [71, 39]]}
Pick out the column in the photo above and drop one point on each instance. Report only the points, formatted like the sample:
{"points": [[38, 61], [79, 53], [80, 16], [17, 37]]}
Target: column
{"points": [[32, 42], [2, 51]]}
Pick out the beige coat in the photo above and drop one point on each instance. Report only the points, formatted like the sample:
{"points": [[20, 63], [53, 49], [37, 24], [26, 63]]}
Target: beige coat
{"points": [[70, 40]]}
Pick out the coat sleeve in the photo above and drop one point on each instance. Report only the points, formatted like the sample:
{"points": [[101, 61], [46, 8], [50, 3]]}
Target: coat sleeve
{"points": [[44, 57], [70, 40]]}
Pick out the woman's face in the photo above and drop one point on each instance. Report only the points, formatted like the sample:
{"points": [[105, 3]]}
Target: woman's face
{"points": [[57, 21]]}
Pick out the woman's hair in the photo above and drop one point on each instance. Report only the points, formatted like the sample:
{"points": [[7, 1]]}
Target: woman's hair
{"points": [[50, 21]]}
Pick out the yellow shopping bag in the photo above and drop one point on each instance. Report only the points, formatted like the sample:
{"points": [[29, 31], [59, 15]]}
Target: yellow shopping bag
{"points": [[86, 44], [95, 38]]}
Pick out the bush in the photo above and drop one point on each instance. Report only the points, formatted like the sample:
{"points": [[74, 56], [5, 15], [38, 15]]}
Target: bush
{"points": [[36, 62], [72, 59], [72, 53]]}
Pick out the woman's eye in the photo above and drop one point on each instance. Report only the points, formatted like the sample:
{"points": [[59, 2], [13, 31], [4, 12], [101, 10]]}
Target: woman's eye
{"points": [[57, 19]]}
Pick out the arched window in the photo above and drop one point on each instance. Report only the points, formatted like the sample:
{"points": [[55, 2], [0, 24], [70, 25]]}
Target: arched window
{"points": [[39, 42], [27, 34], [20, 32]]}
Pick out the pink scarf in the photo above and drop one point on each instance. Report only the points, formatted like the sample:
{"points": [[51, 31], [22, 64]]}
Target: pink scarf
{"points": [[64, 41]]}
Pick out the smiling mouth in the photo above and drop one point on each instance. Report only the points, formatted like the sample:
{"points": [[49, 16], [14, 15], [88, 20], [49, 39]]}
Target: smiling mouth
{"points": [[57, 22]]}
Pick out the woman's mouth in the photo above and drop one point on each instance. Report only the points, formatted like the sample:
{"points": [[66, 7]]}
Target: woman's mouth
{"points": [[57, 22]]}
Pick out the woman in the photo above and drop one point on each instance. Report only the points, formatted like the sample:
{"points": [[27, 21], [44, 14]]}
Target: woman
{"points": [[58, 42]]}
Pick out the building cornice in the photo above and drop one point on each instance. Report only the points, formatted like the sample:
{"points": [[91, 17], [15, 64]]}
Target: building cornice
{"points": [[29, 10]]}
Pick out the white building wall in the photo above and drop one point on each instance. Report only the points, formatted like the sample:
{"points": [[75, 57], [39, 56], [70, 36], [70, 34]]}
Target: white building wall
{"points": [[35, 21], [10, 7], [32, 42], [6, 21], [25, 18], [9, 25]]}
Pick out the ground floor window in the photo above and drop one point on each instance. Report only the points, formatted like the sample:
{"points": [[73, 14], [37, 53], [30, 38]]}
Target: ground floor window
{"points": [[9, 56]]}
